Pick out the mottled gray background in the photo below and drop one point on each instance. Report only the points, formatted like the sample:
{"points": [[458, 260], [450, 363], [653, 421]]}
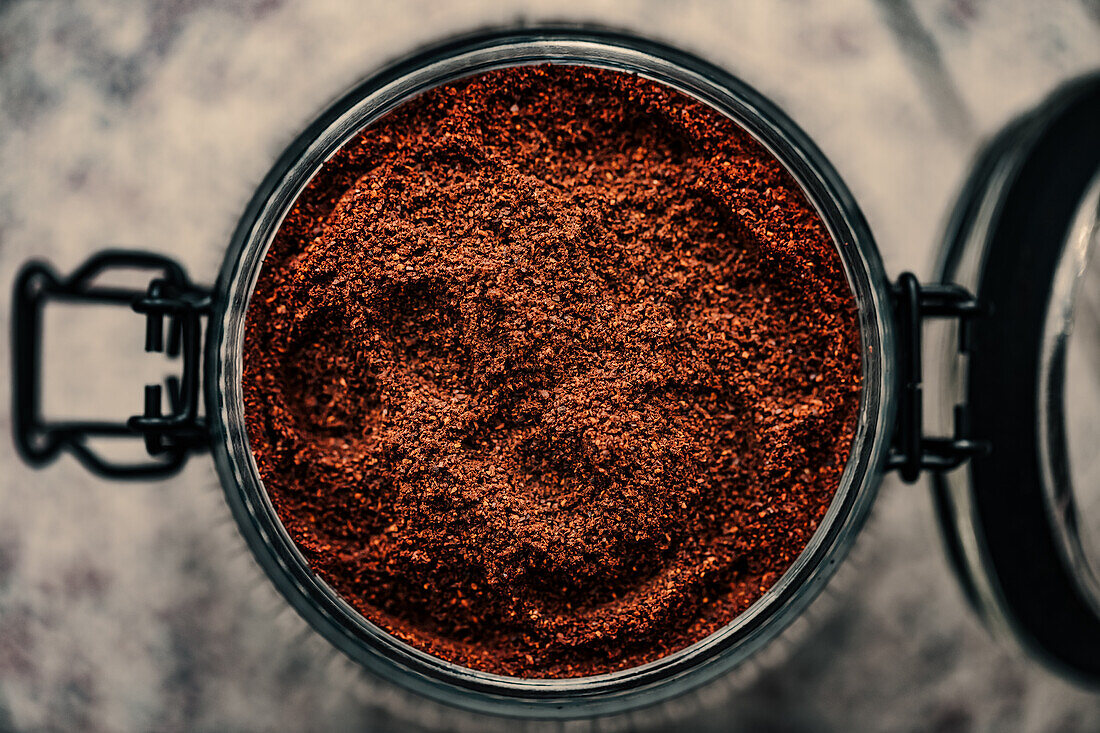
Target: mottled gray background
{"points": [[137, 607]]}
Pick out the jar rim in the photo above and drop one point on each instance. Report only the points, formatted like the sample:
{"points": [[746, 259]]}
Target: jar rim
{"points": [[418, 671]]}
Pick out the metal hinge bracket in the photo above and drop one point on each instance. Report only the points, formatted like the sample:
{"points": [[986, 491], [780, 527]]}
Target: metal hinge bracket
{"points": [[912, 451]]}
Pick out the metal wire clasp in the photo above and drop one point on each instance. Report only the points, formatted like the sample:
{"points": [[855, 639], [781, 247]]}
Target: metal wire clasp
{"points": [[169, 299], [912, 451]]}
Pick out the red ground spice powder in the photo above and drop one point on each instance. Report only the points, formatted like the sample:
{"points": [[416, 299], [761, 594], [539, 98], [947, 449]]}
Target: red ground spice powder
{"points": [[552, 371]]}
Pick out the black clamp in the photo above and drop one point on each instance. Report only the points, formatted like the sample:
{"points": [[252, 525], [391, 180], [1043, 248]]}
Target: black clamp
{"points": [[912, 451], [170, 297]]}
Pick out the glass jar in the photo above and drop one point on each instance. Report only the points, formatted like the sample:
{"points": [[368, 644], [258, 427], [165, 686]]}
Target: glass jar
{"points": [[608, 693], [890, 425]]}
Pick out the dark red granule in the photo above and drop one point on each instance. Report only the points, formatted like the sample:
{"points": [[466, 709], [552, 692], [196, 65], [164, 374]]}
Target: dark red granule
{"points": [[552, 371]]}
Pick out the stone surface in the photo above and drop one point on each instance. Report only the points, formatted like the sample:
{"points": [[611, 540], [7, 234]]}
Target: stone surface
{"points": [[137, 606]]}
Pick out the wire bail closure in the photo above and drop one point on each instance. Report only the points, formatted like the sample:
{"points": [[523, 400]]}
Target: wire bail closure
{"points": [[171, 300]]}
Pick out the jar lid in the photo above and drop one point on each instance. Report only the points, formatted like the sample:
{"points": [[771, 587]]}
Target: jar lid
{"points": [[1022, 523]]}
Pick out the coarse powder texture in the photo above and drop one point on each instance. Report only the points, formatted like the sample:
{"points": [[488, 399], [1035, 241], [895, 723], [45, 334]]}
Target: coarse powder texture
{"points": [[552, 371]]}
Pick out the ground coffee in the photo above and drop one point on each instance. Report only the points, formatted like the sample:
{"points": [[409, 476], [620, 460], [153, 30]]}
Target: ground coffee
{"points": [[552, 371]]}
